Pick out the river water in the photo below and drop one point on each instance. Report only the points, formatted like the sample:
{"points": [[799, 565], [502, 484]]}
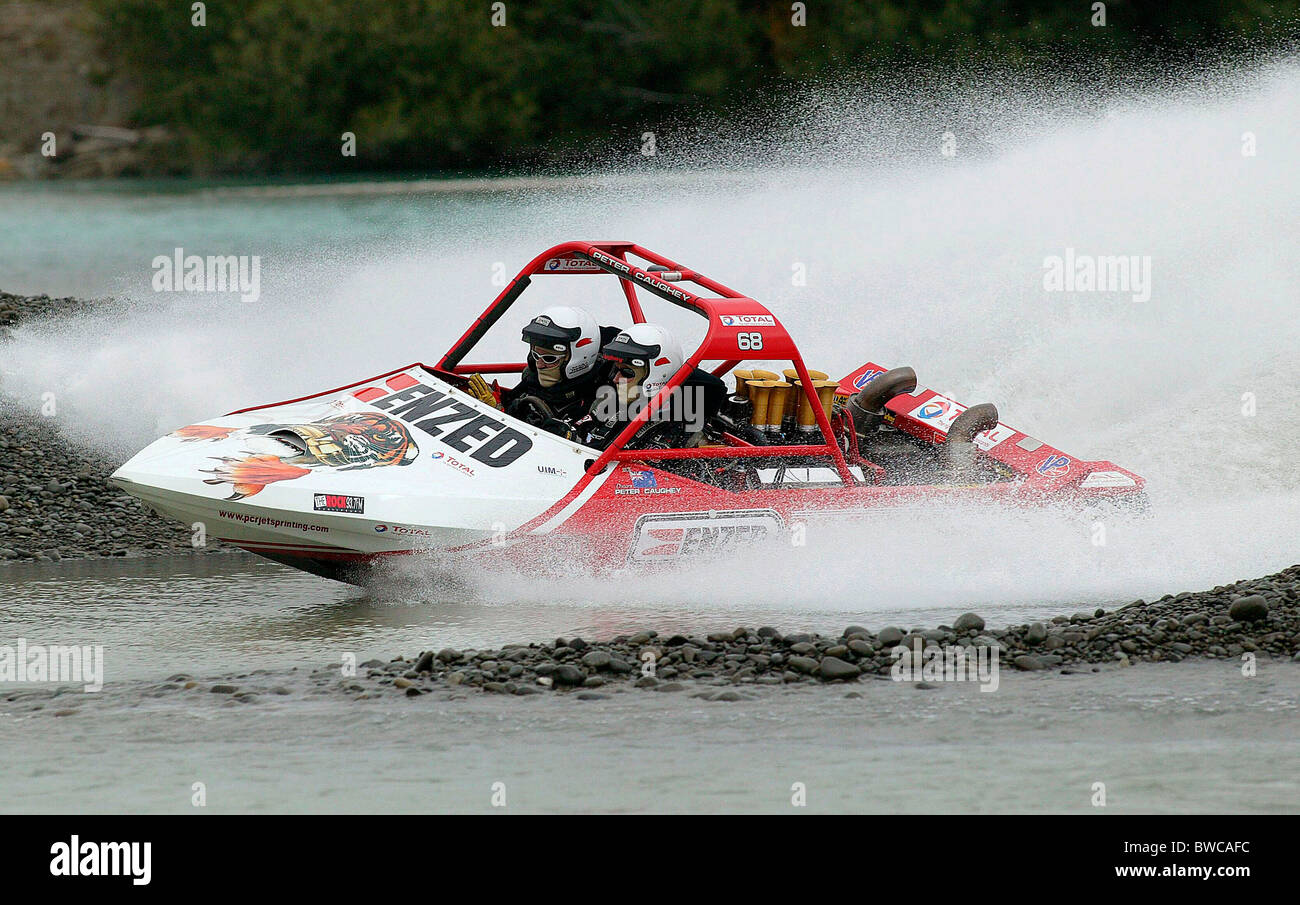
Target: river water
{"points": [[866, 250], [1163, 738]]}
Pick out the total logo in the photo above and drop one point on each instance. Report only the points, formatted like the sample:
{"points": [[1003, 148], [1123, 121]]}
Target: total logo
{"points": [[1054, 466], [452, 462], [932, 409], [571, 264], [403, 530], [747, 320]]}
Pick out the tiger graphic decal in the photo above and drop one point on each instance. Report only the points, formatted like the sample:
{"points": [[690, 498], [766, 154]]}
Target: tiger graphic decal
{"points": [[346, 442]]}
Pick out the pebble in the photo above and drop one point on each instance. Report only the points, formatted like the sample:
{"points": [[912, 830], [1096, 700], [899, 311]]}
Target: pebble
{"points": [[597, 659], [568, 674], [1251, 608], [833, 668], [1170, 629], [890, 635]]}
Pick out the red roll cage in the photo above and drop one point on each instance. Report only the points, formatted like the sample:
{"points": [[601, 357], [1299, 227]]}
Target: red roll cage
{"points": [[738, 327]]}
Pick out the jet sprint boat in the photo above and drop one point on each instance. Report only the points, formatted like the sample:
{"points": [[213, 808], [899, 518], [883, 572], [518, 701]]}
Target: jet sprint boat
{"points": [[422, 459]]}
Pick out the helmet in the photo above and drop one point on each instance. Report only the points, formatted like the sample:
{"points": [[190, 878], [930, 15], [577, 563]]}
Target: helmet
{"points": [[574, 336], [653, 355]]}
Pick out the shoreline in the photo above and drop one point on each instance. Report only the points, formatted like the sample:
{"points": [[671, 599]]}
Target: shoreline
{"points": [[55, 502], [1260, 617]]}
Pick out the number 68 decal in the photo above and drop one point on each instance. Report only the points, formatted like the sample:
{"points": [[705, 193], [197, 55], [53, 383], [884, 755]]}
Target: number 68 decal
{"points": [[749, 340]]}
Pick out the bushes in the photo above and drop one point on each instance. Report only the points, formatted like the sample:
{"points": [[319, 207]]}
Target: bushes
{"points": [[269, 86]]}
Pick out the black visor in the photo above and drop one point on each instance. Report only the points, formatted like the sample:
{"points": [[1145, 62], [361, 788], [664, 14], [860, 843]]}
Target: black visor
{"points": [[622, 348], [541, 331]]}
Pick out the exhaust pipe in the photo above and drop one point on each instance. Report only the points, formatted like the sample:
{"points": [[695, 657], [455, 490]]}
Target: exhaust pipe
{"points": [[959, 447], [868, 407]]}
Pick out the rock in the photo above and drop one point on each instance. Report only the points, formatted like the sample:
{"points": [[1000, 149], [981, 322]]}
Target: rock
{"points": [[1027, 662], [568, 674], [647, 682], [224, 689], [967, 622], [4, 504], [804, 664], [861, 648], [889, 635], [592, 696], [414, 692], [597, 659], [854, 630], [1036, 634], [402, 682], [425, 663], [670, 686], [1251, 608], [833, 668]]}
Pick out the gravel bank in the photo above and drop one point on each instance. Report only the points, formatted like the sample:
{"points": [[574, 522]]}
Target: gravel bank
{"points": [[54, 501], [14, 308], [1260, 616]]}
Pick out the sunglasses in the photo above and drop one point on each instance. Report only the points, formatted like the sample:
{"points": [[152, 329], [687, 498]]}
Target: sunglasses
{"points": [[546, 356]]}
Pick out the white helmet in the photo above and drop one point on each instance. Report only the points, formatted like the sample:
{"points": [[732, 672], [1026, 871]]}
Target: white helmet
{"points": [[650, 347], [572, 333]]}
